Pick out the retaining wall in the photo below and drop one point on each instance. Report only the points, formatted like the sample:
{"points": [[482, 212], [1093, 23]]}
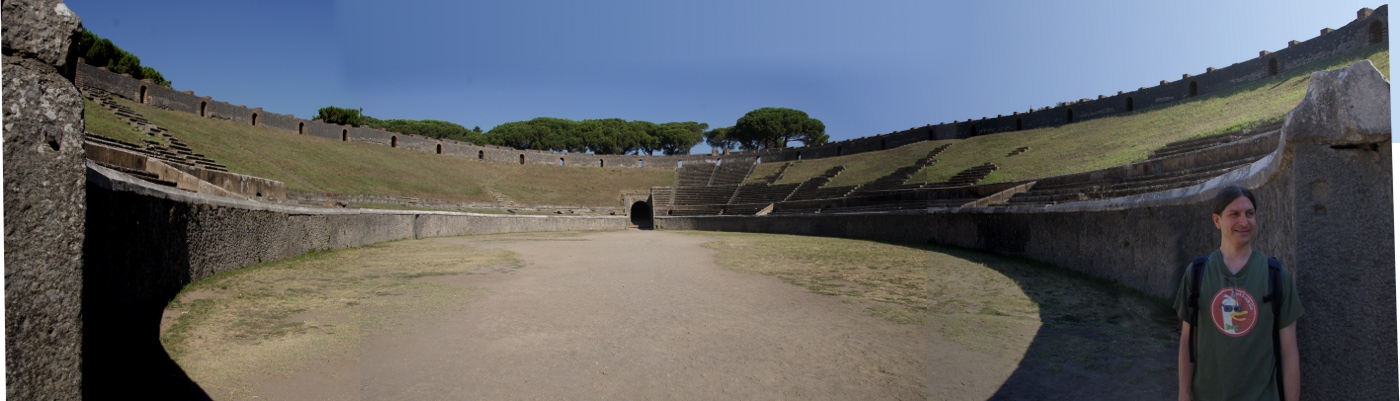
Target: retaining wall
{"points": [[1325, 207]]}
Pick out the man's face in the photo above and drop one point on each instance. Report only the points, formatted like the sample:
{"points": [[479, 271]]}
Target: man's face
{"points": [[1236, 222]]}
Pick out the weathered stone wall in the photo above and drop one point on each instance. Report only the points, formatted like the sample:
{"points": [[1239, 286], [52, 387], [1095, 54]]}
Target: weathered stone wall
{"points": [[44, 201], [181, 237], [1325, 210]]}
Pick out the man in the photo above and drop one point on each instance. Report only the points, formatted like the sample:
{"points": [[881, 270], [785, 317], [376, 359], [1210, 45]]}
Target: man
{"points": [[1231, 352]]}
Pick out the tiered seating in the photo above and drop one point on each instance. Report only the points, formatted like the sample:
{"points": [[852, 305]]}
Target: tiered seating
{"points": [[895, 180], [732, 172], [663, 195], [966, 178], [1112, 188], [143, 175], [1192, 145], [177, 153], [881, 207], [812, 188], [695, 174], [718, 195], [778, 175], [763, 193]]}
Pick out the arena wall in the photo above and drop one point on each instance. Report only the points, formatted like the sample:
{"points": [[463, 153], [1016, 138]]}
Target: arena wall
{"points": [[1329, 43], [1325, 205], [184, 237]]}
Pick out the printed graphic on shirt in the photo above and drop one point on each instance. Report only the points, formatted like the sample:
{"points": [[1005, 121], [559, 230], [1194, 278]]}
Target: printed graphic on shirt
{"points": [[1234, 311]]}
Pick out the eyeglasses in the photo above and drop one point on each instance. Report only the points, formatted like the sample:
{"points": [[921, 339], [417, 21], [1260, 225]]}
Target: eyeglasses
{"points": [[1231, 308]]}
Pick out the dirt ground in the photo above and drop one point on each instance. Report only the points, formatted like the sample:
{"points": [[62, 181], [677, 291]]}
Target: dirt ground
{"points": [[650, 315]]}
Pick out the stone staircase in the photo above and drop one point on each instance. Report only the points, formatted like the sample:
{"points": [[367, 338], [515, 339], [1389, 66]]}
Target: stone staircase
{"points": [[175, 153], [966, 178], [501, 199], [895, 180]]}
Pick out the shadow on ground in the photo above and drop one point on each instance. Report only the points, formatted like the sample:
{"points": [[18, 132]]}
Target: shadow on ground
{"points": [[1097, 339]]}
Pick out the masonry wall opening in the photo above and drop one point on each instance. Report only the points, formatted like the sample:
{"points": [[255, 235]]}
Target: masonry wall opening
{"points": [[1018, 124], [1377, 32], [600, 163], [142, 99], [301, 128], [344, 135], [561, 162], [1192, 89], [439, 148], [973, 130], [481, 155], [882, 144], [202, 107], [1273, 66], [838, 150], [1069, 116], [641, 163], [522, 158], [254, 119], [394, 141], [641, 214], [1129, 105]]}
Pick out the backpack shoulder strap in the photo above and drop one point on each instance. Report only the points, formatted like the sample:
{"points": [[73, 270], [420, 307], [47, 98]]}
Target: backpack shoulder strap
{"points": [[1198, 266], [1275, 270]]}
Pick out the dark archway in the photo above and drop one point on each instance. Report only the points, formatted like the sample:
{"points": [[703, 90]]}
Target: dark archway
{"points": [[481, 155], [142, 98], [1069, 116], [973, 130], [838, 150], [1377, 32], [930, 134], [301, 128], [882, 143], [439, 148], [561, 161], [600, 163], [344, 135], [641, 214], [799, 155], [1130, 103], [254, 119], [522, 158], [202, 107], [1273, 66], [1018, 124], [1192, 89], [394, 141]]}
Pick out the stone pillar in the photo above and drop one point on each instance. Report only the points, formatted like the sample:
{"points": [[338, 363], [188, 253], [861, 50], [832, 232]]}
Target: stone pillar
{"points": [[44, 203], [1342, 219]]}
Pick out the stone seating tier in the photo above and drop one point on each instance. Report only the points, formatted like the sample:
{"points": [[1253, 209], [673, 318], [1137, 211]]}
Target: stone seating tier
{"points": [[763, 193]]}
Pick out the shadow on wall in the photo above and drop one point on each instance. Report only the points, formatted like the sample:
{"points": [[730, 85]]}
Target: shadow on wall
{"points": [[127, 282]]}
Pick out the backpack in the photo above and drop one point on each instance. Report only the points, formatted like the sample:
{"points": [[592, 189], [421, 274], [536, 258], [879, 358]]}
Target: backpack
{"points": [[1197, 268]]}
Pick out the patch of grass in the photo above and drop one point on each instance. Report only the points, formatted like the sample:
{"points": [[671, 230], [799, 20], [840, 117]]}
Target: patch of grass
{"points": [[101, 121], [990, 303], [281, 316], [309, 163]]}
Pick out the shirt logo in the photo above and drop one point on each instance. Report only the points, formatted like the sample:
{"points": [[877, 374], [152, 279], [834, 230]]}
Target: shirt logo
{"points": [[1234, 312]]}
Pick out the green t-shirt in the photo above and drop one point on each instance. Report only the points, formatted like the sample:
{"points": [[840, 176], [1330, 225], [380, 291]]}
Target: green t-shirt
{"points": [[1234, 346]]}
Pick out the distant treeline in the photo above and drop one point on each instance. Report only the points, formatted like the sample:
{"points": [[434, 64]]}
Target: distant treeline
{"points": [[100, 52], [761, 128]]}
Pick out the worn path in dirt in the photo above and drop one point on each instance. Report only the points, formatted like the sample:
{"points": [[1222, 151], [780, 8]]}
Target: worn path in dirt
{"points": [[645, 315]]}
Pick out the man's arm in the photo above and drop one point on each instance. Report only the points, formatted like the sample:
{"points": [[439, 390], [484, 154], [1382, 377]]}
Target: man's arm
{"points": [[1288, 346], [1184, 368]]}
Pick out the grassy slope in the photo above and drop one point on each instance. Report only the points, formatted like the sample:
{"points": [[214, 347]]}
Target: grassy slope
{"points": [[102, 122], [1089, 145], [310, 163]]}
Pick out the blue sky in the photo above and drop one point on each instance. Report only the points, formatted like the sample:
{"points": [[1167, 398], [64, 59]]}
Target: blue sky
{"points": [[863, 68]]}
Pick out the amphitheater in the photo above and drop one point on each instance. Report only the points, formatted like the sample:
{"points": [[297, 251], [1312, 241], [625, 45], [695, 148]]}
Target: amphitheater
{"points": [[108, 224]]}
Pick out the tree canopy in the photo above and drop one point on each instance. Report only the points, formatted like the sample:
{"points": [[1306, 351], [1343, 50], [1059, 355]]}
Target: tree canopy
{"points": [[774, 127], [100, 52]]}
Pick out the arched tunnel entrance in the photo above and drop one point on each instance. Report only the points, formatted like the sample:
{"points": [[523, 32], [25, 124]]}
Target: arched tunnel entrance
{"points": [[641, 214]]}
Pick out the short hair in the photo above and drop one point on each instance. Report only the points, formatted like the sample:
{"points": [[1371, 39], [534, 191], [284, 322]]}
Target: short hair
{"points": [[1229, 194]]}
